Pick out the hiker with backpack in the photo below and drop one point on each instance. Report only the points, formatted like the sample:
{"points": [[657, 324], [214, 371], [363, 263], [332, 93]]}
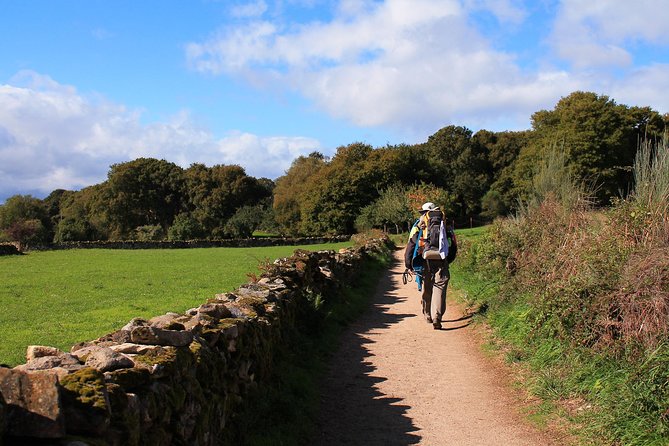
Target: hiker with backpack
{"points": [[431, 247]]}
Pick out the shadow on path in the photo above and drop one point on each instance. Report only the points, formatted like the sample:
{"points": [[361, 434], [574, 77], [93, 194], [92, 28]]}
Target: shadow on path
{"points": [[353, 411]]}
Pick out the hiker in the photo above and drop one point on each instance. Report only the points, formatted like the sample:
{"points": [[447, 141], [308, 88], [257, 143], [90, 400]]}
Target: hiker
{"points": [[431, 247]]}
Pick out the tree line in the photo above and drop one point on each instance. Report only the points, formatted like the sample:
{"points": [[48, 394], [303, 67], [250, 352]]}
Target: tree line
{"points": [[470, 175]]}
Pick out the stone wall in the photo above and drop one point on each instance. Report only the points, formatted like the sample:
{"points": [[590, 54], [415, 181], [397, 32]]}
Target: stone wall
{"points": [[176, 378], [8, 249], [223, 243]]}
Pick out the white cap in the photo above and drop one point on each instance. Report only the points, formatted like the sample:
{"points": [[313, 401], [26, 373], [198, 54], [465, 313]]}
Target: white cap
{"points": [[429, 206]]}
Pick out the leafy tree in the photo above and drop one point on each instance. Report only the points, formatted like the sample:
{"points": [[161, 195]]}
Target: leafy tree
{"points": [[291, 188], [245, 221], [213, 194], [598, 137], [345, 185], [143, 192], [460, 167], [26, 232], [502, 149], [24, 219], [392, 207], [52, 205], [84, 214]]}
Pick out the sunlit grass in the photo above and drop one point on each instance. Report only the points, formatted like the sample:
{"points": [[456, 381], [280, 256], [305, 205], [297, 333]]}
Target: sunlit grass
{"points": [[59, 298]]}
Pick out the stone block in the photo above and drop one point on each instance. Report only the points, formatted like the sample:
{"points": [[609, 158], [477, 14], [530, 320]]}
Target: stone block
{"points": [[38, 351], [168, 321], [85, 402], [105, 360], [129, 348], [33, 404], [216, 310], [157, 336], [64, 360]]}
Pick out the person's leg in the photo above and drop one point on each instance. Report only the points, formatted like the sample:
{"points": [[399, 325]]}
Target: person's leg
{"points": [[438, 300], [426, 300]]}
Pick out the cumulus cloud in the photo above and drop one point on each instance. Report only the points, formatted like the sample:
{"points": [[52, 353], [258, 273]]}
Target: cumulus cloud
{"points": [[53, 137], [593, 34], [644, 86], [418, 65], [413, 65]]}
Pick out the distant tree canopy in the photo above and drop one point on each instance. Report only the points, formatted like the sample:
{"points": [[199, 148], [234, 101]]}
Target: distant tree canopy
{"points": [[144, 199], [470, 175]]}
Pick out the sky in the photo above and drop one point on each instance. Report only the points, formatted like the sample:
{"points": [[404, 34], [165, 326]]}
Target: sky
{"points": [[85, 84]]}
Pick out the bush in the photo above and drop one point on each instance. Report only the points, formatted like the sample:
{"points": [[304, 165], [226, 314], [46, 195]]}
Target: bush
{"points": [[184, 227], [148, 232], [585, 299]]}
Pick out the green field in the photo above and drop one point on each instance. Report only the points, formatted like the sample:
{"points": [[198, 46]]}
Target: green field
{"points": [[59, 298]]}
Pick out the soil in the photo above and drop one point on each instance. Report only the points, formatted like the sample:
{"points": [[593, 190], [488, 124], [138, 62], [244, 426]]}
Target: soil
{"points": [[395, 380]]}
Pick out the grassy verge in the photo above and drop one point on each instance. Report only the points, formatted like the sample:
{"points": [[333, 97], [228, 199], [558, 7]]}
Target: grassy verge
{"points": [[59, 298], [601, 397], [285, 413]]}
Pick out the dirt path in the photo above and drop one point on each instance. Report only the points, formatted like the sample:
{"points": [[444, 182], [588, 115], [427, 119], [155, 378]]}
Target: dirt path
{"points": [[397, 381]]}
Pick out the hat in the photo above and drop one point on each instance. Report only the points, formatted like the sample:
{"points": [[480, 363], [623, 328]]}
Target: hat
{"points": [[429, 206]]}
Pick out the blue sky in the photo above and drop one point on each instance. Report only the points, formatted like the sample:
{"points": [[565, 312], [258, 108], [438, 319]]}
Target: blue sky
{"points": [[88, 83]]}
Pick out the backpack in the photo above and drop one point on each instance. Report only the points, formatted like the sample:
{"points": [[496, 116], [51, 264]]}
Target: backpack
{"points": [[432, 220], [429, 225]]}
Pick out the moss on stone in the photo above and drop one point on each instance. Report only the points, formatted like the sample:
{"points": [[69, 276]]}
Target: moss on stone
{"points": [[153, 357], [87, 386], [131, 378]]}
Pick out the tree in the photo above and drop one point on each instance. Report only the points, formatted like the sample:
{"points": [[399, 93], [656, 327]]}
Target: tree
{"points": [[143, 192], [25, 233], [599, 139], [392, 207], [291, 188], [84, 215], [349, 182], [24, 219], [214, 194], [245, 221], [502, 151], [461, 167]]}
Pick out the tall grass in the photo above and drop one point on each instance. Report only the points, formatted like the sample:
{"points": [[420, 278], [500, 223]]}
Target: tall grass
{"points": [[553, 179]]}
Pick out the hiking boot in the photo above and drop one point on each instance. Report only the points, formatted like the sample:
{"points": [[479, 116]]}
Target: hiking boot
{"points": [[436, 325]]}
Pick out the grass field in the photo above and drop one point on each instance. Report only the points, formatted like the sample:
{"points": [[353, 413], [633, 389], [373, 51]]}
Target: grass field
{"points": [[59, 298]]}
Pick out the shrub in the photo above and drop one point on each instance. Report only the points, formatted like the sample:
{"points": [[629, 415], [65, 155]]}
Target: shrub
{"points": [[184, 227], [148, 232]]}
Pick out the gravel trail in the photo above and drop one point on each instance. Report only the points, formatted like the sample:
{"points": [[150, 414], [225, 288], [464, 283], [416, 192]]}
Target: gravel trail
{"points": [[396, 381]]}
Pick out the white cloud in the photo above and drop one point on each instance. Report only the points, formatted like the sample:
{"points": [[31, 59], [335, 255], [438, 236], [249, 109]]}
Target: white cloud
{"points": [[53, 137], [413, 65], [277, 153], [594, 34], [645, 86], [253, 9], [506, 11]]}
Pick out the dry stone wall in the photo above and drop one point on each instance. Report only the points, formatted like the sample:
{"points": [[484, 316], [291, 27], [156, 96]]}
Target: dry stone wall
{"points": [[223, 243], [8, 249], [176, 378]]}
